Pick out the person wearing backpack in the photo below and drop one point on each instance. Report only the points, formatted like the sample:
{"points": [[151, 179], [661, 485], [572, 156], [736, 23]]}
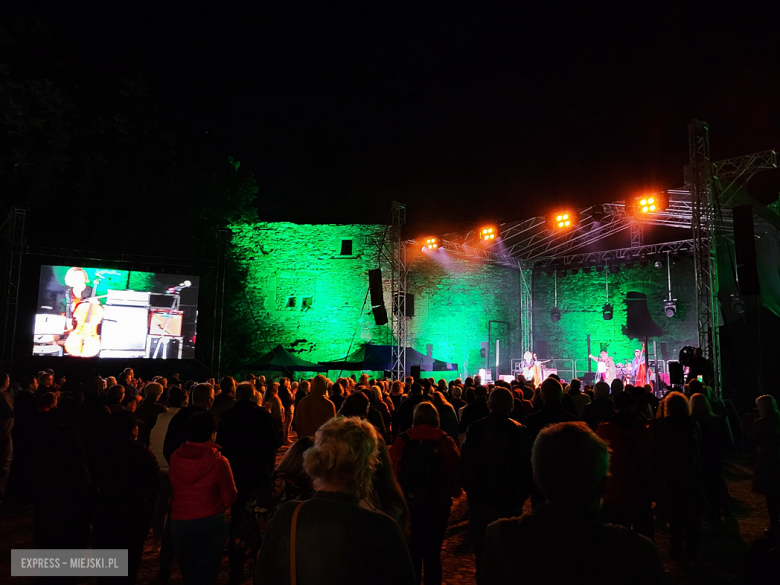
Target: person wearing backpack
{"points": [[426, 461]]}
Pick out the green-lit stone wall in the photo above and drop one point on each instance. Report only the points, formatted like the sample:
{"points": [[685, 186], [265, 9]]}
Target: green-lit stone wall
{"points": [[581, 298], [455, 300], [301, 292], [285, 263]]}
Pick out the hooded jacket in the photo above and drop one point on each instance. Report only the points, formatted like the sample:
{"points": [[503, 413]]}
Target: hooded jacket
{"points": [[315, 409], [201, 480]]}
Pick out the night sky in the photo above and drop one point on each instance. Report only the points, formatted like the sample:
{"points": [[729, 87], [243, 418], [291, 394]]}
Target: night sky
{"points": [[485, 110]]}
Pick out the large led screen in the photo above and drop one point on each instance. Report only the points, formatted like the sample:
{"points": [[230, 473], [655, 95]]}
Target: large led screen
{"points": [[97, 312]]}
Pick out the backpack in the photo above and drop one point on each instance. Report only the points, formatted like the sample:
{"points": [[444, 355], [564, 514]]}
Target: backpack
{"points": [[422, 477]]}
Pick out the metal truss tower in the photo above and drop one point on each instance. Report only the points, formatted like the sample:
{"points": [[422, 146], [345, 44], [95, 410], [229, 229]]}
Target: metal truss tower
{"points": [[399, 271], [15, 224], [698, 181], [526, 309], [711, 186]]}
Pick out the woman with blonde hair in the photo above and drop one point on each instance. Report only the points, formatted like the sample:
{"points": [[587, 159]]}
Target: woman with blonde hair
{"points": [[766, 471], [273, 404], [315, 541]]}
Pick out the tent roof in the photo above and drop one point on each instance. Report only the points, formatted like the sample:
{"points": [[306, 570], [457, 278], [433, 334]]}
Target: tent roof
{"points": [[281, 360], [380, 357]]}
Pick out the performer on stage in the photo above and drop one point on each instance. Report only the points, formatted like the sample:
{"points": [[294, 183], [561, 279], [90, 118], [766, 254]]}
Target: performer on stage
{"points": [[606, 370], [532, 368], [639, 367]]}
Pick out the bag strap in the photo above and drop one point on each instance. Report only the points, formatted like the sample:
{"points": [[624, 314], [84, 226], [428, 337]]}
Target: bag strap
{"points": [[293, 531]]}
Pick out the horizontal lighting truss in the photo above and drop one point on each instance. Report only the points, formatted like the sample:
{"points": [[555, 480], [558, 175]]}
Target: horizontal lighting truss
{"points": [[524, 242], [616, 256]]}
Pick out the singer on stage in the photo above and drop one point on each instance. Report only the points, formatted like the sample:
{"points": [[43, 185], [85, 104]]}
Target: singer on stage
{"points": [[606, 371]]}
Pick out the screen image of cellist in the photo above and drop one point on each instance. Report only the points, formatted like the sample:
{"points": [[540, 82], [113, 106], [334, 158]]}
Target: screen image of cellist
{"points": [[97, 312]]}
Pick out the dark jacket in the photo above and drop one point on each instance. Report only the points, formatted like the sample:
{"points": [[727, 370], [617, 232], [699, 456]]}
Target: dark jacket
{"points": [[249, 441], [473, 412], [447, 449], [127, 490], [331, 528], [678, 456], [527, 550], [495, 463], [550, 414], [177, 430], [402, 421], [598, 411], [148, 413]]}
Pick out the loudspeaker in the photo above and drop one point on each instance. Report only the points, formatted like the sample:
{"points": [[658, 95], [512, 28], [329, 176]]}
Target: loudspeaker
{"points": [[409, 305], [745, 250], [416, 373], [375, 287], [380, 315], [675, 372], [588, 378]]}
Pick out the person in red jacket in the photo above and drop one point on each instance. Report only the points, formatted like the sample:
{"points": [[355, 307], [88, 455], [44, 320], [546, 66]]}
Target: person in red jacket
{"points": [[203, 489], [426, 461]]}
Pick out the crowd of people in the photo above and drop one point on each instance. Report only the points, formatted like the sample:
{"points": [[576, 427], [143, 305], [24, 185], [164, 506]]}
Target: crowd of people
{"points": [[365, 492]]}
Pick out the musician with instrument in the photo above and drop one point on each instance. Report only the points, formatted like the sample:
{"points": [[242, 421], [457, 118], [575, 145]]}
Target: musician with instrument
{"points": [[639, 367], [531, 368], [85, 313], [606, 370]]}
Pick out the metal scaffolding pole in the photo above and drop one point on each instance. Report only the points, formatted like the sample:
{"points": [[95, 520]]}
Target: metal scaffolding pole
{"points": [[698, 180], [219, 303], [15, 224], [399, 270], [526, 309]]}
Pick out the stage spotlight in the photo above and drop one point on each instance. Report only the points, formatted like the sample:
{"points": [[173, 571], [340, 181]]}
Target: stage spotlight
{"points": [[629, 265], [670, 308], [431, 243], [606, 312], [643, 260], [488, 233], [658, 264], [549, 271], [614, 268], [563, 220], [555, 315], [598, 212], [737, 304], [575, 271], [647, 204], [599, 268], [562, 273], [586, 269]]}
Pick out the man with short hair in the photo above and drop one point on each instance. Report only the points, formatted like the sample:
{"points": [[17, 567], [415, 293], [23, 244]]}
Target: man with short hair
{"points": [[202, 400], [402, 421], [578, 399], [570, 465], [552, 411], [457, 400], [226, 399], [495, 468], [600, 409], [148, 411], [475, 411], [45, 384], [249, 442], [314, 410]]}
